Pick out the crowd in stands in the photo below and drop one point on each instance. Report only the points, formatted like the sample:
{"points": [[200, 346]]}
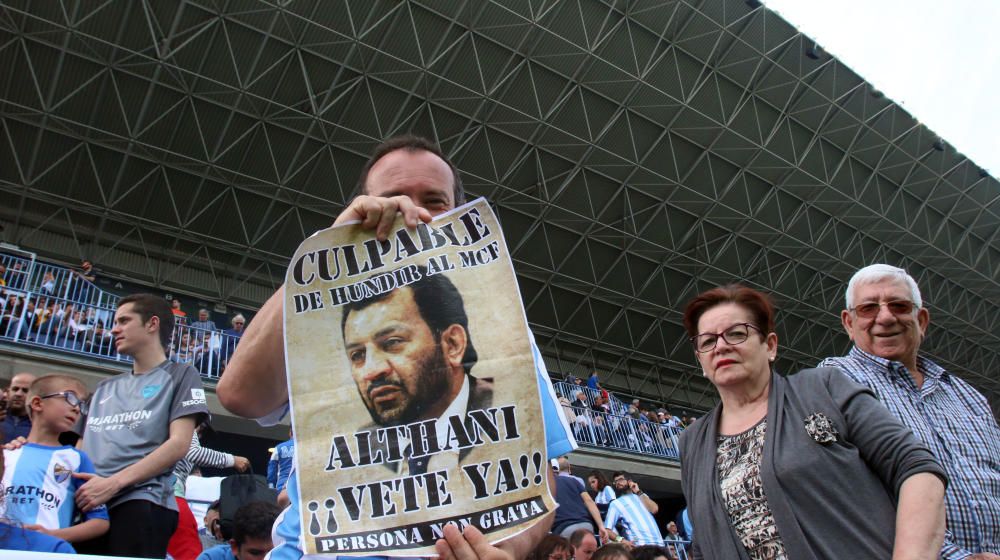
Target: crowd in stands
{"points": [[61, 307], [615, 517], [601, 418]]}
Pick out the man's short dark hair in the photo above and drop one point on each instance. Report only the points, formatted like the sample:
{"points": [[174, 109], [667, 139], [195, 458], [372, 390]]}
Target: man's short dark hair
{"points": [[254, 520], [576, 539], [649, 552], [440, 305], [410, 143], [147, 306], [616, 474]]}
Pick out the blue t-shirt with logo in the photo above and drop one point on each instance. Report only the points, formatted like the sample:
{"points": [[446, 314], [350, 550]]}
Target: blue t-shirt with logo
{"points": [[39, 488]]}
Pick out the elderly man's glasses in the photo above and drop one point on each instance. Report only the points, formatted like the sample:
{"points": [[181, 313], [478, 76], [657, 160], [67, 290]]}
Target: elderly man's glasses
{"points": [[71, 398], [897, 307], [736, 334]]}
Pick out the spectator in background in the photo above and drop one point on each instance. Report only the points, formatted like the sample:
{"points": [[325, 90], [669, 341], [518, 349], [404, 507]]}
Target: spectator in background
{"points": [[593, 382], [599, 418], [16, 276], [232, 336], [204, 321], [82, 281], [612, 552], [175, 308], [18, 422], [635, 510], [212, 536], [576, 509], [600, 489], [3, 275], [653, 553], [11, 307], [582, 423], [77, 325], [3, 401], [251, 534], [183, 351], [566, 469], [583, 543], [664, 417], [99, 341], [48, 286], [683, 523], [673, 534], [281, 462], [206, 358], [552, 547], [185, 543], [567, 410]]}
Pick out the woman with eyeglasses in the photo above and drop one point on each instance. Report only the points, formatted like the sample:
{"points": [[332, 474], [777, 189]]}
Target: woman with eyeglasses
{"points": [[804, 466]]}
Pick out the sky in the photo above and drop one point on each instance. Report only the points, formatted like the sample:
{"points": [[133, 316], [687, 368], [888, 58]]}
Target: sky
{"points": [[939, 59]]}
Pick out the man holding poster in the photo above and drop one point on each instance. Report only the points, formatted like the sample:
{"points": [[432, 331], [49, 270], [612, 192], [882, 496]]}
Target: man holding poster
{"points": [[407, 176]]}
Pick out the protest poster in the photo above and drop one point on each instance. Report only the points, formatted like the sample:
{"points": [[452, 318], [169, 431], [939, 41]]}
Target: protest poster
{"points": [[412, 386]]}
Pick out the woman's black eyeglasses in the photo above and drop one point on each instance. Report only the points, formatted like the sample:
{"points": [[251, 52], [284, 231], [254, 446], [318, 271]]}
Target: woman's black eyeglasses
{"points": [[736, 334]]}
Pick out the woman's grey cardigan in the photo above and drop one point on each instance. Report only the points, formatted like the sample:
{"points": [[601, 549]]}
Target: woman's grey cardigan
{"points": [[830, 500]]}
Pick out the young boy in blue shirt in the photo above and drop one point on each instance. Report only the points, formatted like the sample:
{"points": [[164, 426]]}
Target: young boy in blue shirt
{"points": [[40, 476]]}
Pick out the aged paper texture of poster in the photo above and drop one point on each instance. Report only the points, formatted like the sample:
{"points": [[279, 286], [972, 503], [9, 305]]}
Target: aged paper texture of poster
{"points": [[413, 390]]}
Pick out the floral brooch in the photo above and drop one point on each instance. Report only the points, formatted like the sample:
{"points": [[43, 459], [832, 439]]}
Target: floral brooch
{"points": [[820, 428]]}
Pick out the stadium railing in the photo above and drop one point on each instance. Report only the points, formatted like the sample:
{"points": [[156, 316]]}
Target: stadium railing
{"points": [[615, 430], [48, 306]]}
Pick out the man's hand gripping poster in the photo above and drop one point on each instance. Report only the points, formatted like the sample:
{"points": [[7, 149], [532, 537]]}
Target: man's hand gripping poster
{"points": [[413, 390]]}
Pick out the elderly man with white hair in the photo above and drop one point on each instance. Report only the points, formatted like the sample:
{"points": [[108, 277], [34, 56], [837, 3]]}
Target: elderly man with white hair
{"points": [[887, 321]]}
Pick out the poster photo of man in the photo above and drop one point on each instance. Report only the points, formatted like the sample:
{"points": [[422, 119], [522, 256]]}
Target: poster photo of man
{"points": [[413, 387]]}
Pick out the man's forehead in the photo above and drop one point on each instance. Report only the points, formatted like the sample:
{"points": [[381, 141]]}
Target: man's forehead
{"points": [[404, 163], [126, 309], [872, 290]]}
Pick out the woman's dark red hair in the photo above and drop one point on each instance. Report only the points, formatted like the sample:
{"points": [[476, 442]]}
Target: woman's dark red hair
{"points": [[757, 303]]}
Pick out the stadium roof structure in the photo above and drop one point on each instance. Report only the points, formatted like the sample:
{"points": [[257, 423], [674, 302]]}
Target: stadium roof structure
{"points": [[636, 152]]}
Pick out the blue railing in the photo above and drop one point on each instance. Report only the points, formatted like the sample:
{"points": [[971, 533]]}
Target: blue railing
{"points": [[595, 427], [52, 307], [677, 549]]}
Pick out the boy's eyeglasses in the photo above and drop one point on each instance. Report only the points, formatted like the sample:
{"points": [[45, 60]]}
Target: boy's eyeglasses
{"points": [[71, 398]]}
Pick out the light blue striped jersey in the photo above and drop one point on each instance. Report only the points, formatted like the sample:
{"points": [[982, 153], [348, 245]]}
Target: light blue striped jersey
{"points": [[39, 488], [605, 496], [640, 526], [280, 464]]}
